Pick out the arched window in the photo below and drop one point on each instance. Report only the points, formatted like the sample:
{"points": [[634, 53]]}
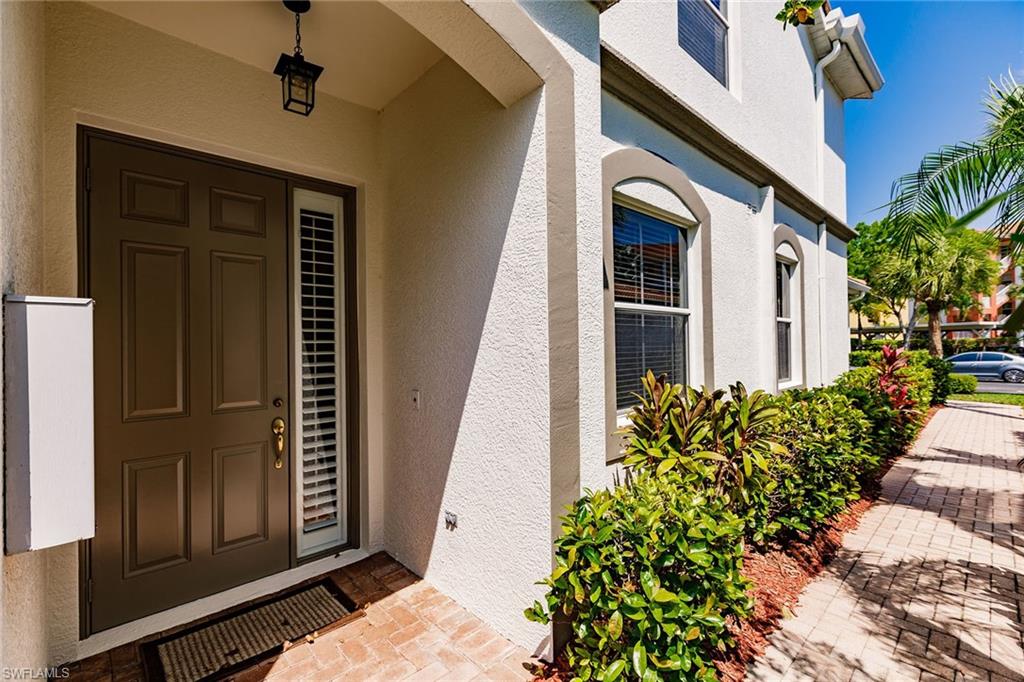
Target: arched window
{"points": [[789, 309], [657, 252]]}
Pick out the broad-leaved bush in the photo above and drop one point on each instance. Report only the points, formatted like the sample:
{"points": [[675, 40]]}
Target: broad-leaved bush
{"points": [[647, 574]]}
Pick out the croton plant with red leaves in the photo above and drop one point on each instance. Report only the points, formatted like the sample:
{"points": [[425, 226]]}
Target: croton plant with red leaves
{"points": [[891, 380]]}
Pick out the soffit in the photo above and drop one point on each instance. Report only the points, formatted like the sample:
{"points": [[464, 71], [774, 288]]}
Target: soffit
{"points": [[369, 54]]}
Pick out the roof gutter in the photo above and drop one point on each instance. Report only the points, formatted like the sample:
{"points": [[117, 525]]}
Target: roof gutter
{"points": [[850, 31]]}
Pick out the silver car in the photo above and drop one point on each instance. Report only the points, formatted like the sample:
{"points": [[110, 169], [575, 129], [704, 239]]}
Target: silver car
{"points": [[990, 366]]}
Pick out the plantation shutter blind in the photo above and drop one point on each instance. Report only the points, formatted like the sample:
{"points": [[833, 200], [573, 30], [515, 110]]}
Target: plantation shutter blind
{"points": [[649, 257], [320, 378], [702, 33]]}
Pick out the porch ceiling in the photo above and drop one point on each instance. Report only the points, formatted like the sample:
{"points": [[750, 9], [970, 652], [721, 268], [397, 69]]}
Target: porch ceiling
{"points": [[369, 54]]}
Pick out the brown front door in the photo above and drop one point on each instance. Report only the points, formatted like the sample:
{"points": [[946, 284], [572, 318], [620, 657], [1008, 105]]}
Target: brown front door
{"points": [[188, 264]]}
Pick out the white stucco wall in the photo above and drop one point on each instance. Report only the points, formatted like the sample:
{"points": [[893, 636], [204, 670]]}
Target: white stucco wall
{"points": [[742, 262], [835, 153], [768, 106], [837, 316], [574, 30]]}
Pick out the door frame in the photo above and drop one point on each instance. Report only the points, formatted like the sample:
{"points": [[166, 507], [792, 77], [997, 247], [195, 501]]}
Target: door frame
{"points": [[84, 134]]}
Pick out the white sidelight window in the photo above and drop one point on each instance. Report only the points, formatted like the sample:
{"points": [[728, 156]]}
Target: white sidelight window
{"points": [[319, 373], [703, 32], [650, 299]]}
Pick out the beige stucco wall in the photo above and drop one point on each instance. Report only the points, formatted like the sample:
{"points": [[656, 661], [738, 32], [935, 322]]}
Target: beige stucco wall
{"points": [[456, 207], [177, 93], [23, 625], [466, 325]]}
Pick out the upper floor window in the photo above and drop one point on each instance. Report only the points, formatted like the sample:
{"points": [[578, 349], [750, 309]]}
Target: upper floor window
{"points": [[703, 30], [651, 311]]}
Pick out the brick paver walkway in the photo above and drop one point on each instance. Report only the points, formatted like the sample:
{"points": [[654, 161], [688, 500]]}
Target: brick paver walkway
{"points": [[930, 586], [410, 632]]}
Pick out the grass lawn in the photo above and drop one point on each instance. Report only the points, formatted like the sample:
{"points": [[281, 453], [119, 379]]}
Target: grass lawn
{"points": [[1001, 398]]}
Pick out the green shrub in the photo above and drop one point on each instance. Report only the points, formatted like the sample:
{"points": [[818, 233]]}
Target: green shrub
{"points": [[860, 385], [829, 452], [861, 358], [711, 443], [646, 574], [941, 370], [962, 383], [920, 386]]}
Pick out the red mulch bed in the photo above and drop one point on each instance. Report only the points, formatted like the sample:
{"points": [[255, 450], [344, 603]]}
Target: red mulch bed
{"points": [[779, 577]]}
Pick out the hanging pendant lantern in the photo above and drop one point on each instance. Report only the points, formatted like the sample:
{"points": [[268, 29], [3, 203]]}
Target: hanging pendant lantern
{"points": [[298, 77]]}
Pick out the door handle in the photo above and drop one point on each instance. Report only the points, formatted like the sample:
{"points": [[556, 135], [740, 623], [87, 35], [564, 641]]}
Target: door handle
{"points": [[277, 426]]}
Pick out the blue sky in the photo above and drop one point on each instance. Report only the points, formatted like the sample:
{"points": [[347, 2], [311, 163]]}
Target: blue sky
{"points": [[937, 58]]}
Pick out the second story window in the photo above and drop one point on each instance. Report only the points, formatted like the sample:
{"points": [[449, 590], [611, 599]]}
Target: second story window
{"points": [[702, 32]]}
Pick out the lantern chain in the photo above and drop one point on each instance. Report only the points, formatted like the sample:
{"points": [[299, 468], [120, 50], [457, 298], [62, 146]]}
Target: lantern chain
{"points": [[298, 34]]}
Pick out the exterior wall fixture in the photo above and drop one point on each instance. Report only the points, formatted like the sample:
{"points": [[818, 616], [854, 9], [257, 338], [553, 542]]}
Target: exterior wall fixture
{"points": [[298, 77]]}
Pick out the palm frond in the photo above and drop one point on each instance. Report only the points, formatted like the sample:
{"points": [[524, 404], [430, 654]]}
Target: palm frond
{"points": [[1005, 107], [968, 178], [953, 181]]}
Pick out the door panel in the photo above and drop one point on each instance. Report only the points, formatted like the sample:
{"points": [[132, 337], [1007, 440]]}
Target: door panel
{"points": [[239, 331], [154, 325], [188, 264], [148, 197], [239, 515], [156, 513], [988, 365]]}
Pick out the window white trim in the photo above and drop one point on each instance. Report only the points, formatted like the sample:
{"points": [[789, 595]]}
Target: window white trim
{"points": [[685, 226], [621, 198], [310, 543]]}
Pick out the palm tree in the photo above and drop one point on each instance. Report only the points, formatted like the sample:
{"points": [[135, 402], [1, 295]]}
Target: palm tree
{"points": [[947, 271], [969, 178]]}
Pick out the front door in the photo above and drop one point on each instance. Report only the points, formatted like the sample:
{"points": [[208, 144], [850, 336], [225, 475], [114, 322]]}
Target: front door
{"points": [[188, 264]]}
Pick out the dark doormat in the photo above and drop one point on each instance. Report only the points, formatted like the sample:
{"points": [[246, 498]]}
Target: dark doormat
{"points": [[238, 640]]}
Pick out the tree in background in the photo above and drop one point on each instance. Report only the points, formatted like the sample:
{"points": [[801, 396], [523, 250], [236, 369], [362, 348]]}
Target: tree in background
{"points": [[947, 270], [968, 179], [872, 256]]}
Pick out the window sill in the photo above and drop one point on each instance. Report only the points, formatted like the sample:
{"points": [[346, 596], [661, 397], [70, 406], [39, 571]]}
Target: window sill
{"points": [[792, 383]]}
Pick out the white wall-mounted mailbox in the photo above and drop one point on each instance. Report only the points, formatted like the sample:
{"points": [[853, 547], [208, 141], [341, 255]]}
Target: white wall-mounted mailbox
{"points": [[48, 382]]}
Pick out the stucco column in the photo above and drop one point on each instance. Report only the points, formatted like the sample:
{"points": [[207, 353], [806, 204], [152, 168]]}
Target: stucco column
{"points": [[765, 308]]}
